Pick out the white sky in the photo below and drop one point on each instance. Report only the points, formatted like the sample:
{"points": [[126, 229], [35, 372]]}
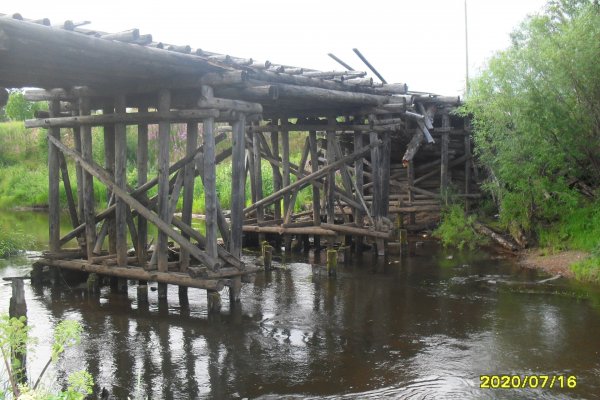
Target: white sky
{"points": [[419, 42]]}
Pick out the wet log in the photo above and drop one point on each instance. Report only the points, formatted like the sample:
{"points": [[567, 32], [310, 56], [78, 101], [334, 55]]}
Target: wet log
{"points": [[124, 118], [172, 278], [506, 243], [136, 205], [355, 231], [289, 231]]}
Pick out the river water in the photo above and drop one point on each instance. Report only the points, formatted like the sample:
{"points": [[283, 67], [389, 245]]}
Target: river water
{"points": [[424, 326]]}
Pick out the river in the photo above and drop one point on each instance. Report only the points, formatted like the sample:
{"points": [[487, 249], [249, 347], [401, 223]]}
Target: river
{"points": [[424, 326]]}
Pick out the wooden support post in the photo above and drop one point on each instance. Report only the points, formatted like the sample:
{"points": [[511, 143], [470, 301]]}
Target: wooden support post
{"points": [[64, 171], [444, 157], [210, 191], [164, 127], [267, 255], [121, 210], [385, 173], [188, 190], [359, 182], [238, 196], [330, 206], [142, 178], [277, 179], [109, 164], [89, 214], [467, 171], [260, 211], [316, 195], [78, 169], [142, 293], [213, 301], [376, 176], [17, 309], [93, 283], [285, 144], [53, 183], [410, 173]]}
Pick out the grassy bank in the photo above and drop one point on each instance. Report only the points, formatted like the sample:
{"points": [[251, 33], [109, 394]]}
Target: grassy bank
{"points": [[24, 172]]}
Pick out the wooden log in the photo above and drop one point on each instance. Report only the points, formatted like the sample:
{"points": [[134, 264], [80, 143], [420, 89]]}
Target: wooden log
{"points": [[53, 185], [506, 243], [308, 178], [109, 164], [142, 178], [173, 278], [358, 177], [292, 92], [252, 93], [124, 36], [188, 190], [136, 205], [78, 172], [78, 59], [289, 231], [376, 178], [330, 199], [410, 174], [412, 148], [209, 178], [164, 128], [238, 186], [18, 355], [121, 181], [316, 195], [353, 230], [385, 173], [215, 103], [258, 186], [72, 207], [124, 118], [444, 158], [88, 182], [277, 178]]}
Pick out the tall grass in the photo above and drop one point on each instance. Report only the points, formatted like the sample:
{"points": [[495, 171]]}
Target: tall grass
{"points": [[13, 240]]}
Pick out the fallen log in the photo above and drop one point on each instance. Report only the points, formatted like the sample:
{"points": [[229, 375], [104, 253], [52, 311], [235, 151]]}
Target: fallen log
{"points": [[502, 241]]}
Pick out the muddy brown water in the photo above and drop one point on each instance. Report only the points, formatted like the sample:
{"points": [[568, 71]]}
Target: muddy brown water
{"points": [[419, 326]]}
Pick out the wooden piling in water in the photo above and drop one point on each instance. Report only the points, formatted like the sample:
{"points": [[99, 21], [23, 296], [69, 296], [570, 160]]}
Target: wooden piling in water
{"points": [[164, 128], [121, 210], [142, 178], [53, 183], [332, 261]]}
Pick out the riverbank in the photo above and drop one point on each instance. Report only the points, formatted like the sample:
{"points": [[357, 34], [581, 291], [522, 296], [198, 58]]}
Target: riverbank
{"points": [[559, 263]]}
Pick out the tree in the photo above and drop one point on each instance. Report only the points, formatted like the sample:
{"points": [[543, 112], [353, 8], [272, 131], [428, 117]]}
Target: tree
{"points": [[19, 109], [536, 114]]}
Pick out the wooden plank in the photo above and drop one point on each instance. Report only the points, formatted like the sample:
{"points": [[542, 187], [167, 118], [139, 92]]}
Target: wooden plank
{"points": [[164, 127], [99, 173], [142, 178], [209, 175], [53, 184], [188, 190], [238, 189], [89, 214], [121, 181]]}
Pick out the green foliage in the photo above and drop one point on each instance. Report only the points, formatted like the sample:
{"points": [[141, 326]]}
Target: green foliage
{"points": [[587, 270], [19, 109], [456, 229], [13, 240], [536, 115]]}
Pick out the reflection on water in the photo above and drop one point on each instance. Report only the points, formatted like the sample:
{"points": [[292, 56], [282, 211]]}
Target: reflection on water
{"points": [[423, 326]]}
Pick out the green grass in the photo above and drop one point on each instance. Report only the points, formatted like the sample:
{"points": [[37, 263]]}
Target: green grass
{"points": [[13, 240], [587, 270]]}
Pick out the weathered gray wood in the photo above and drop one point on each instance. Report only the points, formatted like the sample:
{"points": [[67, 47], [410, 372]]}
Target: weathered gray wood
{"points": [[330, 206], [238, 189], [64, 171], [358, 177], [53, 184], [142, 178], [444, 157], [413, 147], [125, 118], [227, 104], [375, 166], [292, 92], [308, 178], [121, 181], [314, 163], [309, 230], [301, 168], [78, 169], [277, 178], [164, 127], [410, 173], [173, 278], [353, 230], [209, 174], [188, 190], [109, 164], [385, 173], [89, 213], [257, 172], [101, 174]]}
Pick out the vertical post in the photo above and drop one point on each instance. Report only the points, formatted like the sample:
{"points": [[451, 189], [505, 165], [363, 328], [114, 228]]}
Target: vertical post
{"points": [[358, 176], [88, 181], [53, 183], [316, 195], [238, 198], [142, 177], [385, 174], [121, 182], [467, 170], [375, 164], [410, 174], [277, 178], [164, 128], [17, 309], [109, 164], [285, 148], [210, 189], [444, 164], [78, 169], [260, 211], [330, 179], [188, 190]]}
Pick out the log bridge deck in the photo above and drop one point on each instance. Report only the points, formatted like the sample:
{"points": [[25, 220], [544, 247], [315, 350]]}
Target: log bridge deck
{"points": [[373, 153]]}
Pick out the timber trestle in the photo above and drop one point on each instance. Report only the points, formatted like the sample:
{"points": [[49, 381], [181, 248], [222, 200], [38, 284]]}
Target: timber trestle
{"points": [[374, 159]]}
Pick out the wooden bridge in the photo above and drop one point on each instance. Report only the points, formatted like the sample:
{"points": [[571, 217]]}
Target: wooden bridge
{"points": [[376, 155]]}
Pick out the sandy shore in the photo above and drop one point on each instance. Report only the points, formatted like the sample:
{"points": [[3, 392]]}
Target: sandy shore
{"points": [[554, 264]]}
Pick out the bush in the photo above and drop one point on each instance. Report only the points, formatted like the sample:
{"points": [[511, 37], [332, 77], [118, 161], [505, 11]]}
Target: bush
{"points": [[19, 109], [456, 229]]}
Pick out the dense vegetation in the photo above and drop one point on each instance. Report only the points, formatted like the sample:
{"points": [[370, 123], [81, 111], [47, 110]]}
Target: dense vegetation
{"points": [[536, 116]]}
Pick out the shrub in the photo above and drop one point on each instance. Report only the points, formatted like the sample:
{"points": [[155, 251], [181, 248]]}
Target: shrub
{"points": [[456, 229]]}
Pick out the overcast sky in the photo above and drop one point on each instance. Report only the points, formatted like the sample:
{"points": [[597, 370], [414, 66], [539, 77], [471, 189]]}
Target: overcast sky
{"points": [[419, 42]]}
